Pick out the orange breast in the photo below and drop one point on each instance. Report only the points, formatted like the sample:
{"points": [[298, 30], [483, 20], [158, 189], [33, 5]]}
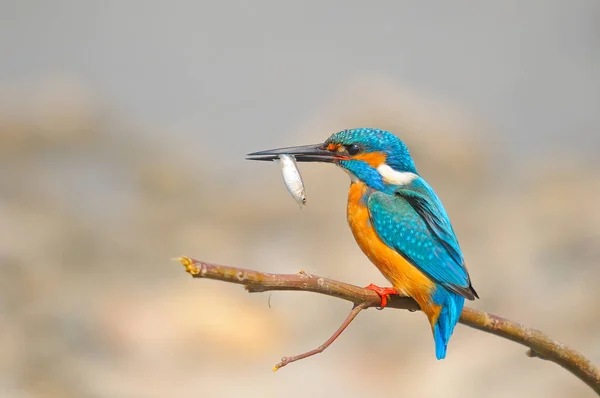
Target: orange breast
{"points": [[406, 278]]}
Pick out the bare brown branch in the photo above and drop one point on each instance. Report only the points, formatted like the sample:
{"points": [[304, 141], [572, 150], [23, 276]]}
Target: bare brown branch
{"points": [[540, 345], [353, 313]]}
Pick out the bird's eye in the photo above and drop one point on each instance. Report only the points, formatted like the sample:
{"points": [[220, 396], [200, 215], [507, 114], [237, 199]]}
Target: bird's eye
{"points": [[353, 149]]}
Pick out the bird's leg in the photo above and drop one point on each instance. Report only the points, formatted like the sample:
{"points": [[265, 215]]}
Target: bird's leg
{"points": [[383, 292]]}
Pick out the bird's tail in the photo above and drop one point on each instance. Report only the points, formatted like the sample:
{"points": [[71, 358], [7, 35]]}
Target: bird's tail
{"points": [[451, 308]]}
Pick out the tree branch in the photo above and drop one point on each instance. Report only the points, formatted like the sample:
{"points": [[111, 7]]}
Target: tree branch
{"points": [[353, 313], [540, 345]]}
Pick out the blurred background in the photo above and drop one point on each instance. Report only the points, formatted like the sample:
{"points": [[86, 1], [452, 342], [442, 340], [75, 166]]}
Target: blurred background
{"points": [[123, 130]]}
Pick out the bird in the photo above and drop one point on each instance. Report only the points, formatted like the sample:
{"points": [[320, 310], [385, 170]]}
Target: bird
{"points": [[398, 222]]}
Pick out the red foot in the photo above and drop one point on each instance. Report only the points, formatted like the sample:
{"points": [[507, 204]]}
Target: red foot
{"points": [[383, 292]]}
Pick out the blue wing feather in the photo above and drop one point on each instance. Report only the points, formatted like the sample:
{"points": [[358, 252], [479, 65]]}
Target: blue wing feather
{"points": [[413, 221]]}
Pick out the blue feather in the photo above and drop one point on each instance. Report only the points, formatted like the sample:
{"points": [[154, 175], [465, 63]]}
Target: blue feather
{"points": [[452, 306], [376, 140], [414, 223]]}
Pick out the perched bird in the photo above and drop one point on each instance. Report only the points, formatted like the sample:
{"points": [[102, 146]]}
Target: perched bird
{"points": [[399, 223]]}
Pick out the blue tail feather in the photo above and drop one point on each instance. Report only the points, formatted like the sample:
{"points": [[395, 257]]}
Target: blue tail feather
{"points": [[452, 306]]}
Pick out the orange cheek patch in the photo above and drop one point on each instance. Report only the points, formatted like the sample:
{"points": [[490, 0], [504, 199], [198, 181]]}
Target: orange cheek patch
{"points": [[333, 147], [374, 159]]}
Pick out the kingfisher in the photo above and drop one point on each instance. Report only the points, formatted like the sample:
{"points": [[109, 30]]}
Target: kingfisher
{"points": [[398, 222]]}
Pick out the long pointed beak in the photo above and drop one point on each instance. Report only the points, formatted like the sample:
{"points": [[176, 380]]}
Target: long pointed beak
{"points": [[305, 153]]}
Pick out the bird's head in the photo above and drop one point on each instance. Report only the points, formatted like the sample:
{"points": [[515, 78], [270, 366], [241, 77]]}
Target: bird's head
{"points": [[376, 157]]}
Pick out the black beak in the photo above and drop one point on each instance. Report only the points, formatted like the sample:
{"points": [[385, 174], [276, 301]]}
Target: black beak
{"points": [[305, 153]]}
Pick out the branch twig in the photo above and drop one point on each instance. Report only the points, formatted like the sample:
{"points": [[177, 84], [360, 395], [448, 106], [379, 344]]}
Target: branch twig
{"points": [[540, 345], [353, 313]]}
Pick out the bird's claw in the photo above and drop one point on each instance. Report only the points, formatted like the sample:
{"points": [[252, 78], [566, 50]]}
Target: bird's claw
{"points": [[383, 292]]}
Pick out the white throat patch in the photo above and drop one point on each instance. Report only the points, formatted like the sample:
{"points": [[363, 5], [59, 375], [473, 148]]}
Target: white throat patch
{"points": [[353, 177], [391, 176]]}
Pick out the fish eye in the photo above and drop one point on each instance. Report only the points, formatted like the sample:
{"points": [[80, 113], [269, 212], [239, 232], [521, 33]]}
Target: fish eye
{"points": [[353, 149]]}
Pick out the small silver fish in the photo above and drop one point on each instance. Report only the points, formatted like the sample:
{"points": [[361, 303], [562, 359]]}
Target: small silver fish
{"points": [[292, 179]]}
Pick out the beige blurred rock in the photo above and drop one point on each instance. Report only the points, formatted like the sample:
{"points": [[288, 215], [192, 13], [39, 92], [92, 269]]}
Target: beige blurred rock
{"points": [[57, 111], [190, 319]]}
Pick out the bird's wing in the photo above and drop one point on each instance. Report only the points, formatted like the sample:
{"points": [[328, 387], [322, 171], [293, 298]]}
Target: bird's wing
{"points": [[414, 223]]}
